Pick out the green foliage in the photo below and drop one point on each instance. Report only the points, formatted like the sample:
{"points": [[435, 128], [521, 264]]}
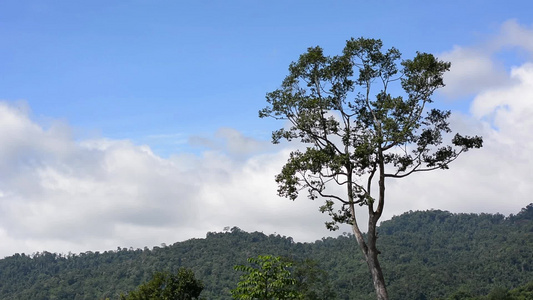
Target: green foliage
{"points": [[168, 286], [342, 108], [524, 292], [426, 255], [449, 251], [267, 278]]}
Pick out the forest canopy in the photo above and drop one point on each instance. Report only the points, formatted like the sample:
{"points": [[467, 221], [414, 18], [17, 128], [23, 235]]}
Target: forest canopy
{"points": [[431, 254]]}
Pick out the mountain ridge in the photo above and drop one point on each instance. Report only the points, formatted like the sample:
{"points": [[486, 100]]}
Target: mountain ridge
{"points": [[425, 254]]}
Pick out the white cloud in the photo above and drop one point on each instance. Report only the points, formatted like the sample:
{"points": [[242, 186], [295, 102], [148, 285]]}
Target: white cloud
{"points": [[510, 109], [513, 34], [472, 71], [232, 142], [59, 194], [480, 67]]}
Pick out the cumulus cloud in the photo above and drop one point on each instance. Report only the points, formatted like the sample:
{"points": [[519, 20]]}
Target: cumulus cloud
{"points": [[513, 34], [476, 68], [59, 194], [472, 71]]}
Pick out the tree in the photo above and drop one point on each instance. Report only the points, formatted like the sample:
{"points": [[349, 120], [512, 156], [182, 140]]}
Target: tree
{"points": [[168, 286], [268, 278], [356, 133]]}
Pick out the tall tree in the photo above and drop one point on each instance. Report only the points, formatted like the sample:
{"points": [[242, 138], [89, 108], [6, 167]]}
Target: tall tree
{"points": [[357, 134]]}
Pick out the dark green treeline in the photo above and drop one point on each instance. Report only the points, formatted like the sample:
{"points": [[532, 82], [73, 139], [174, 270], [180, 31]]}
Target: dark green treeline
{"points": [[426, 255]]}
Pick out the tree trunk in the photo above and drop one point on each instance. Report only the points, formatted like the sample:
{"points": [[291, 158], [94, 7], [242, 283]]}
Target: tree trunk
{"points": [[377, 274], [369, 248], [373, 217], [371, 257]]}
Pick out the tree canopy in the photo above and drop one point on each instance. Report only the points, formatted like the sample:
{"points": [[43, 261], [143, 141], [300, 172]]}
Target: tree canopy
{"points": [[357, 134]]}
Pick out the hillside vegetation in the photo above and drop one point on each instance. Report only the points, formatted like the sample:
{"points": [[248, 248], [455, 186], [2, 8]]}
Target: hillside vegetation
{"points": [[426, 255]]}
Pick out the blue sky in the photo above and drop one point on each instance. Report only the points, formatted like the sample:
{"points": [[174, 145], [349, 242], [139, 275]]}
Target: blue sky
{"points": [[139, 69], [116, 88]]}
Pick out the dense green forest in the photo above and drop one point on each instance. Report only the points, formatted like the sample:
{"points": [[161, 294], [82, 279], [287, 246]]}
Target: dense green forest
{"points": [[425, 255]]}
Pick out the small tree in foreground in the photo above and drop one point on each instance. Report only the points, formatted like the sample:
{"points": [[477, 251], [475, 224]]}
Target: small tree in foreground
{"points": [[168, 286], [267, 278], [358, 134]]}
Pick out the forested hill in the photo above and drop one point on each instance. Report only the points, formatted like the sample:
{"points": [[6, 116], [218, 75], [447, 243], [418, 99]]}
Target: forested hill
{"points": [[425, 255]]}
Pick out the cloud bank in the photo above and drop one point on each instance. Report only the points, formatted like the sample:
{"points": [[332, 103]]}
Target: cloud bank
{"points": [[59, 194]]}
